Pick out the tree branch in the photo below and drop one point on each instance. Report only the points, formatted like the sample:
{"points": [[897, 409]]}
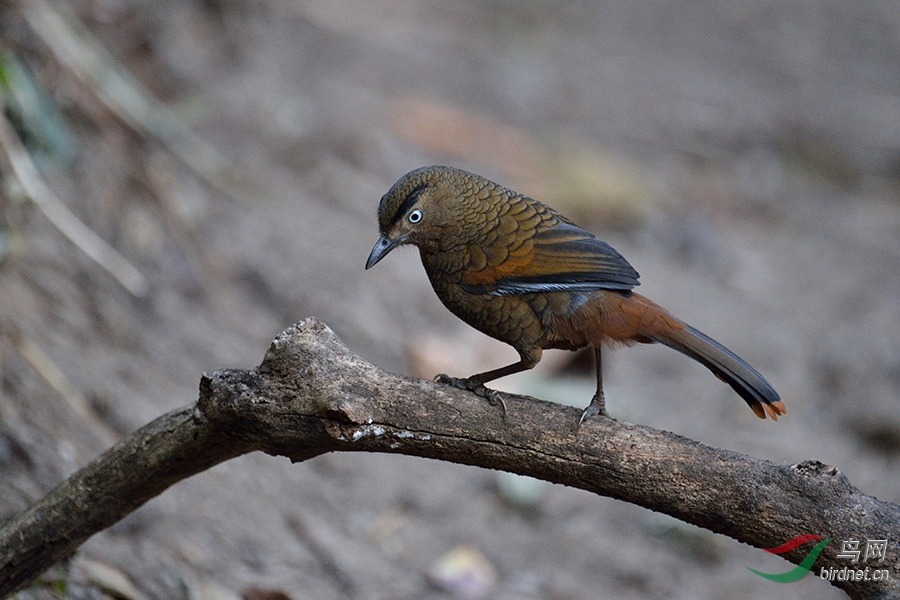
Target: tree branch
{"points": [[311, 395]]}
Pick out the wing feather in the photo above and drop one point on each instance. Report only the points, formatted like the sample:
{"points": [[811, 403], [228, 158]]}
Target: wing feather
{"points": [[559, 258]]}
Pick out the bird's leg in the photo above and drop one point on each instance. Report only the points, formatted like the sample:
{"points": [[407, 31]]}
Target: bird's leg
{"points": [[598, 402], [476, 382]]}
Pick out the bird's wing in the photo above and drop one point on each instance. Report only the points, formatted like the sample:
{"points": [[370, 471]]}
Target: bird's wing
{"points": [[559, 258]]}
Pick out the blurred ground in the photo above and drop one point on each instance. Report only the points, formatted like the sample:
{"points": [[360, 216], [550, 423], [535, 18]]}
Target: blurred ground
{"points": [[744, 156]]}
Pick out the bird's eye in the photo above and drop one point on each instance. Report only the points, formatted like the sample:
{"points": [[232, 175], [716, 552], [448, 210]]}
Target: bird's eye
{"points": [[415, 216]]}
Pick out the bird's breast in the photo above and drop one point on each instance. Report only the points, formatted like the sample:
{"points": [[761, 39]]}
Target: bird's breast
{"points": [[524, 321], [508, 318]]}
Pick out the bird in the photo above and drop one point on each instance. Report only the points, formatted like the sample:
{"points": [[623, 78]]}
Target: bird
{"points": [[519, 271]]}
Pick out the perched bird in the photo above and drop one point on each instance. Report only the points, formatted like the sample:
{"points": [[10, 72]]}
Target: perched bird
{"points": [[522, 273]]}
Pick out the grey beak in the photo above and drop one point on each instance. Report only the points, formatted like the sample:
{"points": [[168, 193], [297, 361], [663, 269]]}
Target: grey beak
{"points": [[382, 247]]}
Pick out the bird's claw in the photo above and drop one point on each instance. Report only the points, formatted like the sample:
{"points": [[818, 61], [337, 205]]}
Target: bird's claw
{"points": [[593, 409], [492, 396], [477, 388], [460, 384]]}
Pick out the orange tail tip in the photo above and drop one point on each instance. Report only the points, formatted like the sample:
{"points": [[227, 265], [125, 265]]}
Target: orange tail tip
{"points": [[774, 409]]}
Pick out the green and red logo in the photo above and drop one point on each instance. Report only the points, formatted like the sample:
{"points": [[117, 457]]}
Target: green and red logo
{"points": [[798, 572]]}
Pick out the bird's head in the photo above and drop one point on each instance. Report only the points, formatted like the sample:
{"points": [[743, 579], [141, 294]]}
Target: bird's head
{"points": [[423, 208]]}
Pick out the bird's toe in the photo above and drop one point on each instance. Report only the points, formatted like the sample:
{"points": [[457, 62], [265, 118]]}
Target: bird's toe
{"points": [[592, 410], [476, 387]]}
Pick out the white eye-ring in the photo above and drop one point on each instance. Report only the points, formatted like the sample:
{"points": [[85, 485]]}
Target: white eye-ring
{"points": [[415, 216]]}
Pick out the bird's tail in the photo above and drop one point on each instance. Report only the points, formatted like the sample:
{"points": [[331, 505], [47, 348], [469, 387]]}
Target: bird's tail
{"points": [[727, 366]]}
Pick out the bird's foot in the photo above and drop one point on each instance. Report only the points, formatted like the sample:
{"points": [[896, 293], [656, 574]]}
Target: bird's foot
{"points": [[476, 387], [596, 407]]}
